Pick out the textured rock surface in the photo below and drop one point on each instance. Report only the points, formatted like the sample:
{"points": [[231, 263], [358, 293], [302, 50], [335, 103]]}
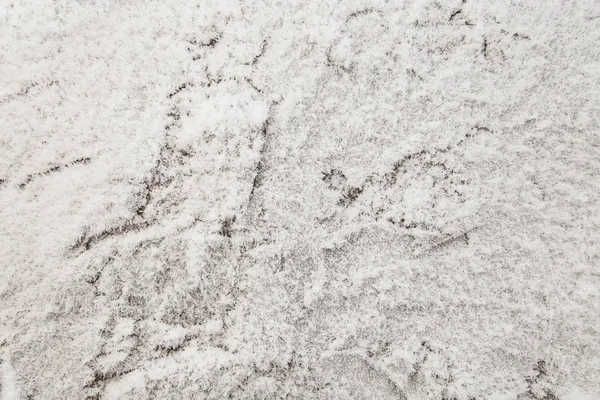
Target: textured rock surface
{"points": [[303, 199]]}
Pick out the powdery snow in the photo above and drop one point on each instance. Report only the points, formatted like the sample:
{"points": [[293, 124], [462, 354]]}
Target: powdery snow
{"points": [[307, 199]]}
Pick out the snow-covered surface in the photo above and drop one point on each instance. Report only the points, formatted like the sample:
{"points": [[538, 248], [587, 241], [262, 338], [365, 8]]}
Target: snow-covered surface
{"points": [[302, 199]]}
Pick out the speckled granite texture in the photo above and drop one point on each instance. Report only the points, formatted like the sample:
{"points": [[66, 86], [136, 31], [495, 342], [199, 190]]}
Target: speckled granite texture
{"points": [[300, 200]]}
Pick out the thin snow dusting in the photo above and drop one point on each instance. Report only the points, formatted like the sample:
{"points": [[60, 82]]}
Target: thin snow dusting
{"points": [[300, 200]]}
